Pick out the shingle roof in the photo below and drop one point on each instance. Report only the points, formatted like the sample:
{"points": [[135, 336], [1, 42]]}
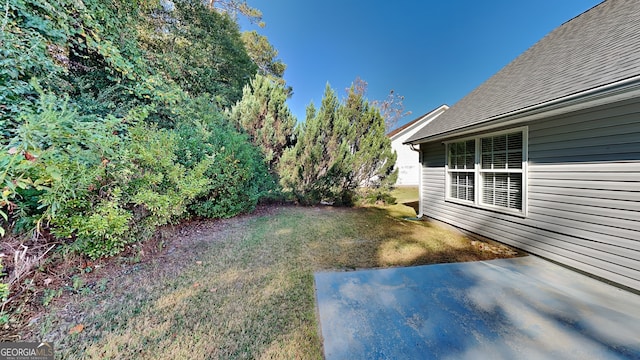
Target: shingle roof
{"points": [[599, 47], [422, 117]]}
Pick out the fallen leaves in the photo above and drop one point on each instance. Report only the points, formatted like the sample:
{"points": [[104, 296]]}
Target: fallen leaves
{"points": [[76, 329]]}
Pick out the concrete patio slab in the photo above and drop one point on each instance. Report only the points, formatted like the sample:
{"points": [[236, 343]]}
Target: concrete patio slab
{"points": [[523, 308]]}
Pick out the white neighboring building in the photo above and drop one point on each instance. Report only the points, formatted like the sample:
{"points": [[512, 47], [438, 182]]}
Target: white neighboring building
{"points": [[408, 160]]}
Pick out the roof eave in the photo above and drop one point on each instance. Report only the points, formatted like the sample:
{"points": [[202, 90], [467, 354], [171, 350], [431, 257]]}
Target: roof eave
{"points": [[418, 122], [613, 92]]}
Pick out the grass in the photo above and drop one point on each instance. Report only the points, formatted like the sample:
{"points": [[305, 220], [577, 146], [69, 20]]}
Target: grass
{"points": [[243, 288], [405, 194]]}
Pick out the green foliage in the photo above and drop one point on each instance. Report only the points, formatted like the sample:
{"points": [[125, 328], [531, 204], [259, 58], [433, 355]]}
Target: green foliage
{"points": [[106, 182], [265, 117], [4, 287], [340, 148], [199, 49], [372, 158], [160, 187], [58, 154], [237, 171], [313, 170], [264, 55], [28, 34], [109, 142], [103, 232], [71, 46]]}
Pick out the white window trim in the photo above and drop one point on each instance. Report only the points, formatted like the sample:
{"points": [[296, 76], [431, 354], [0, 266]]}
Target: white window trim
{"points": [[477, 192]]}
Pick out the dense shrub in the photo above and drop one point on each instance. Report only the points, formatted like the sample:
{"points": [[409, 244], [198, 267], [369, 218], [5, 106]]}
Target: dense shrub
{"points": [[53, 160], [106, 182], [238, 173], [111, 125], [100, 150]]}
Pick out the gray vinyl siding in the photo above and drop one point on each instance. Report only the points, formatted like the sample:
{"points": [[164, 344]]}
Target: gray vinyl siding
{"points": [[583, 193]]}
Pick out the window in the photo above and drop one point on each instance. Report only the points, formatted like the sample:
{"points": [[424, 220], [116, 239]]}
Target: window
{"points": [[489, 171], [461, 163], [501, 170]]}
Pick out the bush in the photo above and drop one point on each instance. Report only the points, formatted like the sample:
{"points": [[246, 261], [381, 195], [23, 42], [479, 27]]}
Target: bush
{"points": [[238, 173], [53, 161], [99, 182], [115, 145], [160, 188], [102, 233]]}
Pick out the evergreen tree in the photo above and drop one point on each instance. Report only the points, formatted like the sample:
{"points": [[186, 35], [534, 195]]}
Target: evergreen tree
{"points": [[372, 157], [265, 116], [339, 149]]}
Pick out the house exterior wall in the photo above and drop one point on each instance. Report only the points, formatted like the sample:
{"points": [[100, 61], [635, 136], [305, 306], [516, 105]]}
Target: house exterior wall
{"points": [[583, 193], [407, 163]]}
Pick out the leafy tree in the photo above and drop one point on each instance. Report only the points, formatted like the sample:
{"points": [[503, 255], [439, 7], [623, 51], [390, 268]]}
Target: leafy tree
{"points": [[265, 116], [235, 7], [263, 54], [200, 50], [69, 46], [339, 149], [391, 108]]}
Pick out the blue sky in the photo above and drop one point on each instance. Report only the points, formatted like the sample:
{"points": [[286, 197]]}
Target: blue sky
{"points": [[431, 52]]}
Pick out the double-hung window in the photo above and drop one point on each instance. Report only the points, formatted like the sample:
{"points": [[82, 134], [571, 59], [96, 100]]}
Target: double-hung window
{"points": [[501, 170], [462, 159], [489, 171]]}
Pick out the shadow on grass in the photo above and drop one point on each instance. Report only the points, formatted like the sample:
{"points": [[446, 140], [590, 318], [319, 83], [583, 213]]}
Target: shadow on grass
{"points": [[415, 205], [380, 236]]}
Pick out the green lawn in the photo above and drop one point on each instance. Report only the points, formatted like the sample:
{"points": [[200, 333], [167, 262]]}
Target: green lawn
{"points": [[243, 288], [405, 194]]}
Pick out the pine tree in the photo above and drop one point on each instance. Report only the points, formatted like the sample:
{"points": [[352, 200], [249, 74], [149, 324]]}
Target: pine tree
{"points": [[372, 157], [339, 149], [264, 115]]}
